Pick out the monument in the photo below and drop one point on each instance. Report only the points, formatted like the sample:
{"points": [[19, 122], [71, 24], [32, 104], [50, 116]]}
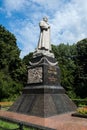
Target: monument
{"points": [[43, 95], [44, 44]]}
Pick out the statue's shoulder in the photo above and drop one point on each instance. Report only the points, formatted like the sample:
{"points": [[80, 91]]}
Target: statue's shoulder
{"points": [[42, 23]]}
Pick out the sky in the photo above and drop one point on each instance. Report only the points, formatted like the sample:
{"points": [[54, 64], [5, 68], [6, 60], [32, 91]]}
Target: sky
{"points": [[67, 18]]}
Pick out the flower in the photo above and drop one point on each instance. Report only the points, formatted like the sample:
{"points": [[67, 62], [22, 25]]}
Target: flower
{"points": [[4, 104], [82, 110]]}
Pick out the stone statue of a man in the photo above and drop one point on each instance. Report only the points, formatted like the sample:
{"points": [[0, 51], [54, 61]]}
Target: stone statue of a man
{"points": [[44, 45], [44, 40]]}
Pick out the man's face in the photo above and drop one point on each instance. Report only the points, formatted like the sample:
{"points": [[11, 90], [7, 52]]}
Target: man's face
{"points": [[45, 19]]}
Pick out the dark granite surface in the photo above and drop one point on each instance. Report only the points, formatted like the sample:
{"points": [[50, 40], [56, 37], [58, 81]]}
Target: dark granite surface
{"points": [[43, 95]]}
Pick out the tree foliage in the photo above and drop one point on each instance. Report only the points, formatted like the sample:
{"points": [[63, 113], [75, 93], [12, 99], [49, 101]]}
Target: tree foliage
{"points": [[63, 54], [73, 64], [72, 60], [81, 71], [11, 67], [27, 58]]}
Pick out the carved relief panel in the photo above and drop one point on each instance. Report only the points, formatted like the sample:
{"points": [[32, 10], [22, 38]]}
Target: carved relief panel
{"points": [[35, 75]]}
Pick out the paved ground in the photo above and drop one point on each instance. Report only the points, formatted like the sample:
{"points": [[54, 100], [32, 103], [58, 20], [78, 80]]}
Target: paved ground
{"points": [[59, 122]]}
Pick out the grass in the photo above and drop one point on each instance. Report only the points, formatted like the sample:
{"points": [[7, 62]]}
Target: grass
{"points": [[10, 125]]}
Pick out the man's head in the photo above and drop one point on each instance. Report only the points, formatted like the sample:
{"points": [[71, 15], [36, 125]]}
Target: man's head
{"points": [[45, 19]]}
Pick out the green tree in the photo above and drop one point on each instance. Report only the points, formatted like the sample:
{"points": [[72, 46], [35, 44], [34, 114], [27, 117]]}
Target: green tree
{"points": [[27, 58], [81, 71], [63, 54], [11, 67]]}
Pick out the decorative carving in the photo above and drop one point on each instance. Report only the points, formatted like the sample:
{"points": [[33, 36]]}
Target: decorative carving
{"points": [[35, 75], [52, 79], [52, 70], [52, 74], [43, 58]]}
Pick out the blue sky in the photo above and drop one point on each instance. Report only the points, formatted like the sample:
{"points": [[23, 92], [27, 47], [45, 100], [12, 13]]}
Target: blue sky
{"points": [[68, 20]]}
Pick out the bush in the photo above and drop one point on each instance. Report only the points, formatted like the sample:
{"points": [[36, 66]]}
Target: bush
{"points": [[82, 110], [80, 102]]}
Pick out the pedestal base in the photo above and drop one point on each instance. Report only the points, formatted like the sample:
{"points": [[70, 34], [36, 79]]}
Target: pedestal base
{"points": [[43, 105], [43, 96]]}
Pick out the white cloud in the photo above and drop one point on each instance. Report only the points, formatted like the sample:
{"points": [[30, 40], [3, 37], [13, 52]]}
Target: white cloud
{"points": [[49, 4], [41, 5], [27, 35], [14, 5], [68, 19], [69, 24]]}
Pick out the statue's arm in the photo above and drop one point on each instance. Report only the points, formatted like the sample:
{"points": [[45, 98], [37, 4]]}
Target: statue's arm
{"points": [[44, 25]]}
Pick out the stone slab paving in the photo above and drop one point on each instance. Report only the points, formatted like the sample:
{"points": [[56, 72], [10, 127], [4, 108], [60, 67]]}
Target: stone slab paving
{"points": [[58, 122]]}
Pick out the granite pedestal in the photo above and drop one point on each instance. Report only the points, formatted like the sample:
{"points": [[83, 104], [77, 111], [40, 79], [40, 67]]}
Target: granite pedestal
{"points": [[43, 95]]}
